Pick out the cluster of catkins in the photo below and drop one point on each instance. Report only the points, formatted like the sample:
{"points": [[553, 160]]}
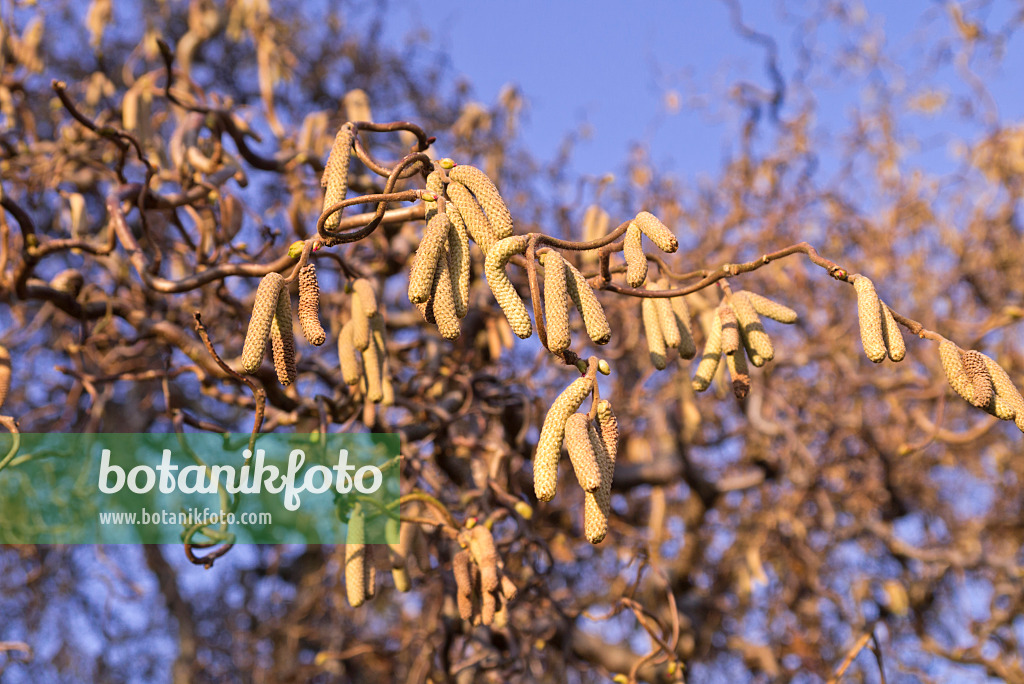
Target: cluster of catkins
{"points": [[592, 443], [362, 350], [982, 382], [441, 270], [736, 332], [483, 591]]}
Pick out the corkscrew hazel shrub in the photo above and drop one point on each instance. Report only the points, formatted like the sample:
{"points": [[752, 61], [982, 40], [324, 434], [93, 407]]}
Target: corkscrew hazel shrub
{"points": [[504, 291], [549, 444]]}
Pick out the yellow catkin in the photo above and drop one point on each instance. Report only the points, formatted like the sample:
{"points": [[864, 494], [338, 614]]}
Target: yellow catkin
{"points": [[309, 306], [504, 291], [667, 318], [711, 357], [282, 339], [488, 608], [373, 360], [442, 301], [581, 452], [267, 295], [687, 347], [657, 231], [5, 373], [401, 552], [893, 337], [549, 444], [463, 584], [976, 371], [477, 225], [367, 297], [582, 295], [739, 372], [870, 314], [355, 558], [755, 339], [652, 330], [508, 589], [387, 386], [636, 260], [730, 329], [351, 366], [371, 571], [556, 302], [595, 225], [360, 323], [460, 266], [488, 197], [335, 176], [604, 437], [771, 309], [435, 185], [1008, 404], [953, 366], [421, 277]]}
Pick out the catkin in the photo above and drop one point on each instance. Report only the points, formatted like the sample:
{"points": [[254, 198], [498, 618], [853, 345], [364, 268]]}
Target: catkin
{"points": [[636, 260], [442, 303], [870, 314], [351, 366], [373, 360], [309, 306], [711, 357], [549, 444], [421, 276], [282, 339], [666, 318], [371, 570], [459, 266], [977, 373], [657, 231], [503, 289], [508, 588], [953, 365], [652, 330], [687, 347], [755, 339], [267, 296], [335, 176], [893, 337], [1008, 404], [597, 504], [581, 452], [739, 372], [588, 305], [730, 329], [477, 225], [360, 323], [463, 584], [488, 197], [435, 185], [5, 374], [771, 309], [481, 547], [400, 552], [367, 297], [556, 302], [355, 558]]}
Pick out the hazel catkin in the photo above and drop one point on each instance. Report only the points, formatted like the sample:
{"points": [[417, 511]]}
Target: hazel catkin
{"points": [[657, 231], [487, 195], [355, 558], [549, 444], [636, 260], [282, 339], [556, 302], [472, 216], [652, 331], [351, 366], [263, 309], [870, 315], [711, 356], [309, 306], [421, 276], [581, 452], [582, 295], [335, 176], [504, 291]]}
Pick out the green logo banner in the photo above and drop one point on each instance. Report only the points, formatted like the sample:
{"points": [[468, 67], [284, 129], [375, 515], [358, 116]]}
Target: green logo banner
{"points": [[202, 488]]}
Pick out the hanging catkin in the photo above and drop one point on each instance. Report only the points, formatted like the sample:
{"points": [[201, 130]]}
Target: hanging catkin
{"points": [[355, 558], [373, 360], [477, 225], [367, 297], [335, 176], [953, 365], [459, 266], [487, 195], [604, 441], [483, 551], [652, 330], [977, 373], [730, 328], [711, 357], [771, 308], [666, 317], [503, 289], [636, 260], [556, 302], [755, 339], [687, 347], [282, 339], [435, 186], [360, 323], [739, 372], [549, 445], [464, 589], [894, 343], [5, 374], [267, 296], [588, 305], [1009, 405], [400, 551], [442, 302], [421, 277], [309, 306], [657, 231], [870, 314], [351, 366], [581, 452]]}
